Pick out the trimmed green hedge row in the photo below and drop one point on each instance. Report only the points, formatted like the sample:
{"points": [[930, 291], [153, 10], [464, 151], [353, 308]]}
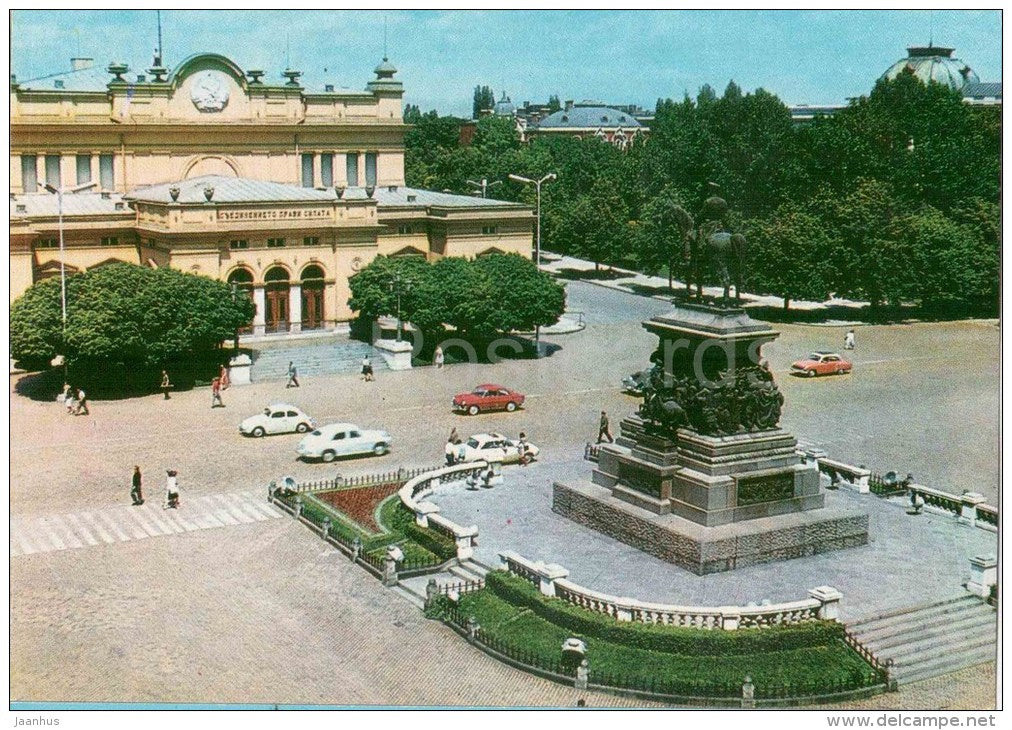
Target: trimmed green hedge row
{"points": [[660, 638], [404, 522]]}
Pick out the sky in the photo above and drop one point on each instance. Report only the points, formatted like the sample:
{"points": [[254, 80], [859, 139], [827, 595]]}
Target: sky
{"points": [[620, 57]]}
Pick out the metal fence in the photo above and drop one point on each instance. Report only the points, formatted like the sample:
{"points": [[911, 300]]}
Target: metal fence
{"points": [[398, 476]]}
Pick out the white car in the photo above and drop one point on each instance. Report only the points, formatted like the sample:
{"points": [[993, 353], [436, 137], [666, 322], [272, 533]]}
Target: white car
{"points": [[277, 418], [343, 439], [495, 447]]}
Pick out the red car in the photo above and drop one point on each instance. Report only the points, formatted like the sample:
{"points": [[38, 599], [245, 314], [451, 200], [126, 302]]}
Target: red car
{"points": [[488, 397], [821, 363]]}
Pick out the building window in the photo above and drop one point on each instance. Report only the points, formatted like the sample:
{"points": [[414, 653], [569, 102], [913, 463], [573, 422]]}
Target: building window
{"points": [[275, 243], [311, 241], [352, 158], [105, 172], [370, 169], [404, 230], [327, 170], [53, 171], [83, 169], [110, 240], [307, 171], [489, 230], [48, 243], [29, 173], [238, 243]]}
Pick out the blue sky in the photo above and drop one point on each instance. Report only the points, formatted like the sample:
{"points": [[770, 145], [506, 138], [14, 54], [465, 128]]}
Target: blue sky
{"points": [[620, 57]]}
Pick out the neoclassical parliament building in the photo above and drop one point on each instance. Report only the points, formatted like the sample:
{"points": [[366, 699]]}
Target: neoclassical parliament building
{"points": [[282, 190]]}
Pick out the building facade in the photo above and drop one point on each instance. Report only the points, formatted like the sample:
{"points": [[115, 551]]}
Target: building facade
{"points": [[281, 189]]}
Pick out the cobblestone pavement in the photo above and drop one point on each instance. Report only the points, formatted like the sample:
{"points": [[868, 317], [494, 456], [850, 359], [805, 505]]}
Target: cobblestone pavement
{"points": [[259, 611], [276, 617], [874, 578]]}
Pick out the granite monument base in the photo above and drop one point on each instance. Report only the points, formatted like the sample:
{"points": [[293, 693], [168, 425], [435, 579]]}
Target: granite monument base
{"points": [[701, 549]]}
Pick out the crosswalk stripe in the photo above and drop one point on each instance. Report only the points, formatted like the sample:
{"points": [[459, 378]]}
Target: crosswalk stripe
{"points": [[88, 520], [148, 527], [207, 519], [18, 532], [42, 539], [269, 510], [109, 522], [81, 530], [225, 516], [66, 538], [185, 519], [238, 515], [126, 515], [245, 507], [168, 517]]}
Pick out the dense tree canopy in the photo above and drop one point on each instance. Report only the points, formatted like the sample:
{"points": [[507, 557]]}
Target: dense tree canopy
{"points": [[481, 298], [125, 316], [877, 186]]}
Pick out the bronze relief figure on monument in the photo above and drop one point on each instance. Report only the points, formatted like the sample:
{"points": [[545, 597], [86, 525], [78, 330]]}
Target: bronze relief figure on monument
{"points": [[703, 476]]}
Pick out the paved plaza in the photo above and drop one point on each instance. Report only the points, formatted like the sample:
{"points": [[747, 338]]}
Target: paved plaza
{"points": [[884, 575], [260, 610]]}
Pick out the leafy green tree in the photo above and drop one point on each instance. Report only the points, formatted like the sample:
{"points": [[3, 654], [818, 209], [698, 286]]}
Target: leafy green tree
{"points": [[372, 289], [554, 104], [122, 316], [526, 297], [662, 232], [788, 256], [484, 98]]}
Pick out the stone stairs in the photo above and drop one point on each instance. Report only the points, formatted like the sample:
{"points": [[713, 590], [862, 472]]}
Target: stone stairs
{"points": [[931, 640], [320, 356], [413, 589]]}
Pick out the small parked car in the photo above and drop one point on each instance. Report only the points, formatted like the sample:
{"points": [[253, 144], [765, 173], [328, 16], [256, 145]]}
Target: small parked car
{"points": [[634, 384], [343, 439], [821, 363], [488, 397], [494, 447], [277, 418]]}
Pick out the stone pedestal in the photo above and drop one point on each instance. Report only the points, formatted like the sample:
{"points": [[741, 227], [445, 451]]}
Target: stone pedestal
{"points": [[983, 575], [703, 477], [396, 354], [238, 370]]}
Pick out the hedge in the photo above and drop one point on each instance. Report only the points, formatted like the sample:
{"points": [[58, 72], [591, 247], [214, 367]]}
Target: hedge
{"points": [[661, 638]]}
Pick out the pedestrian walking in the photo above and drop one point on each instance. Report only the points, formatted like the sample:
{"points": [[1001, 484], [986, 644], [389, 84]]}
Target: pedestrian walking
{"points": [[82, 403], [454, 436], [522, 448], [223, 375], [450, 451], [135, 490], [171, 490], [437, 357], [166, 384], [66, 394], [70, 399], [848, 340], [367, 373], [293, 376], [216, 393], [604, 429]]}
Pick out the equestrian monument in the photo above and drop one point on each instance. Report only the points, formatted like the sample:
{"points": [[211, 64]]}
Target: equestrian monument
{"points": [[703, 476]]}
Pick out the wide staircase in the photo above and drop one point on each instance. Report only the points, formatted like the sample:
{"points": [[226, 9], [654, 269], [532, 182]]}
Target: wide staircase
{"points": [[932, 640], [318, 356]]}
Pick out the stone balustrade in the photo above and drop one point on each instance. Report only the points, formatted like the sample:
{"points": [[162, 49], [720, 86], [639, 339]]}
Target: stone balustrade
{"points": [[413, 496], [822, 603], [983, 575], [857, 477]]}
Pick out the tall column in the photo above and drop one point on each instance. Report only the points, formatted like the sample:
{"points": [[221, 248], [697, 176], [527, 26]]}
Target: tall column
{"points": [[95, 173], [317, 170], [259, 319], [295, 307]]}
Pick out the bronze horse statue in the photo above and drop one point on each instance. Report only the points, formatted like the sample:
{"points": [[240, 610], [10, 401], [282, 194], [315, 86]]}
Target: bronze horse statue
{"points": [[726, 250]]}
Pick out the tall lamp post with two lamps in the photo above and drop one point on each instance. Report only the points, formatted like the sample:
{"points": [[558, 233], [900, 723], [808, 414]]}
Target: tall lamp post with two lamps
{"points": [[537, 238]]}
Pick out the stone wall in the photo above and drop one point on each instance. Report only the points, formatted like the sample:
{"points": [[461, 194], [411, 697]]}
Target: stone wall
{"points": [[709, 556]]}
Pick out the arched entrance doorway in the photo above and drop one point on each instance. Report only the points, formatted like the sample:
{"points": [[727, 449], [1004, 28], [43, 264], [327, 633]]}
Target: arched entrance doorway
{"points": [[276, 287], [312, 297], [241, 281]]}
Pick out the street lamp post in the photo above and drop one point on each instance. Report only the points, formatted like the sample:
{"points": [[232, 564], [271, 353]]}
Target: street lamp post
{"points": [[484, 185], [63, 271], [537, 238], [396, 285]]}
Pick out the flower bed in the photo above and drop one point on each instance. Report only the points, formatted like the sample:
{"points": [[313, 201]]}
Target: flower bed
{"points": [[360, 504]]}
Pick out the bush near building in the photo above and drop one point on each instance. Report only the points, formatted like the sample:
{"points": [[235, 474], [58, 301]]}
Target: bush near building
{"points": [[125, 323]]}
